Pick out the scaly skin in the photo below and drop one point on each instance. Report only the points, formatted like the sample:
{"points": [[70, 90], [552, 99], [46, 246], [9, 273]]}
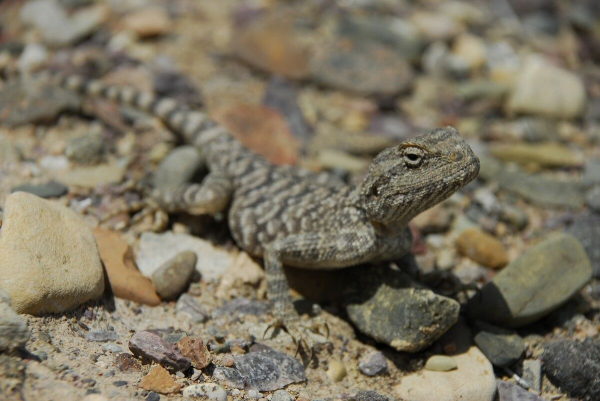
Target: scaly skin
{"points": [[285, 215]]}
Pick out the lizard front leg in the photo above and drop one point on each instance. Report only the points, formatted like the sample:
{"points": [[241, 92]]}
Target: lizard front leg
{"points": [[322, 250]]}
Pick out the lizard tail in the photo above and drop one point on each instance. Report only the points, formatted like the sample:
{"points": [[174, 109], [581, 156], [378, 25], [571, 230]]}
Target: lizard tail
{"points": [[196, 128]]}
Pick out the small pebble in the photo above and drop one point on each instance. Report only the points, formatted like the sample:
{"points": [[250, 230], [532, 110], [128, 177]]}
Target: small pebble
{"points": [[211, 392], [151, 347], [101, 335], [281, 395], [441, 363], [174, 276], [373, 363], [336, 371]]}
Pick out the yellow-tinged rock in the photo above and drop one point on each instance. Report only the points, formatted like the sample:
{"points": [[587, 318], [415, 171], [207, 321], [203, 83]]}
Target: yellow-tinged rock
{"points": [[482, 248]]}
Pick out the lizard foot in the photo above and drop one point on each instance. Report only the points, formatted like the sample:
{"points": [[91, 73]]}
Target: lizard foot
{"points": [[302, 334], [142, 209]]}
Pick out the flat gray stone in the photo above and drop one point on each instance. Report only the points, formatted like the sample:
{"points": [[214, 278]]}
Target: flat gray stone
{"points": [[51, 189], [262, 369], [101, 335], [586, 228], [535, 284], [178, 168], [174, 276]]}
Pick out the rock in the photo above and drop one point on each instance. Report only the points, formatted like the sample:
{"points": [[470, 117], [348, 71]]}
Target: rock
{"points": [[473, 380], [195, 350], [208, 391], [188, 306], [281, 96], [24, 102], [373, 363], [160, 381], [14, 332], [151, 348], [436, 26], [174, 276], [262, 130], [244, 271], [591, 173], [385, 301], [101, 335], [535, 284], [470, 49], [271, 44], [482, 248], [148, 22], [370, 395], [241, 307], [59, 28], [548, 154], [49, 260], [50, 189], [33, 57], [155, 249], [262, 369], [545, 90], [511, 392], [364, 68], [532, 374], [586, 228], [113, 348], [92, 177], [441, 363], [87, 149], [178, 168], [574, 367], [336, 371], [281, 395], [124, 278], [501, 347]]}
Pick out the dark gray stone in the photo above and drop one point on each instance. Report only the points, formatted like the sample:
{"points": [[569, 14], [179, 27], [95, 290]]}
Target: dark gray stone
{"points": [[152, 396], [373, 363], [262, 369], [385, 300], [101, 335], [369, 395], [535, 284], [511, 392], [586, 228], [574, 367], [502, 347], [242, 306], [51, 189], [150, 347]]}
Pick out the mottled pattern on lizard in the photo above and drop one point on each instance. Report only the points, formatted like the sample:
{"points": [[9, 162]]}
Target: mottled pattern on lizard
{"points": [[283, 214]]}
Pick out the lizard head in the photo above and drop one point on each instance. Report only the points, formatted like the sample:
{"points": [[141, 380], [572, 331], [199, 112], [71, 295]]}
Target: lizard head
{"points": [[409, 178]]}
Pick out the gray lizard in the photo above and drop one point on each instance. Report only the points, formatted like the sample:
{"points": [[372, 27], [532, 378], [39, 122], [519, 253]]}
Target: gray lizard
{"points": [[284, 215]]}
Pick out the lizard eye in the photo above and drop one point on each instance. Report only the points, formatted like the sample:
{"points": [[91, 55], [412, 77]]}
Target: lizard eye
{"points": [[413, 156]]}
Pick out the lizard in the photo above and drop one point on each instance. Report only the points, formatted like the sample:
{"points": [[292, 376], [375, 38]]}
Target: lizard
{"points": [[283, 214]]}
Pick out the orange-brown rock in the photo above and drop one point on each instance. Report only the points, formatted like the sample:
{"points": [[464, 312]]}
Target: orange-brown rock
{"points": [[195, 350], [160, 381], [482, 248], [124, 279]]}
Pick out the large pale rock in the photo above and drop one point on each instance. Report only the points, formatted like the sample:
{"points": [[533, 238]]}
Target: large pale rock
{"points": [[472, 380], [546, 90], [49, 260]]}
